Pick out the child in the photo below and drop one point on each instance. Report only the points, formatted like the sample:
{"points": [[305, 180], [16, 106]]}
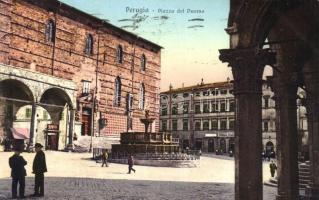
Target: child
{"points": [[18, 172]]}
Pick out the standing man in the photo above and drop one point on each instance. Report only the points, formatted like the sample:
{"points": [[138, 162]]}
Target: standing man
{"points": [[104, 158], [18, 173], [130, 162], [273, 168], [39, 168]]}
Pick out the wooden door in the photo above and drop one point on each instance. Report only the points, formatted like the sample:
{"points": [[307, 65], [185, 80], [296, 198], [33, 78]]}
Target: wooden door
{"points": [[86, 124]]}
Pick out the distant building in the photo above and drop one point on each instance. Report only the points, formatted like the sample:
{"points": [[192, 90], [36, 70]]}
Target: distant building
{"points": [[203, 116]]}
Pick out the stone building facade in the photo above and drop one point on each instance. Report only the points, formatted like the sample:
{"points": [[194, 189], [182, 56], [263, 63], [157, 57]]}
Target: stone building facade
{"points": [[203, 117], [62, 59]]}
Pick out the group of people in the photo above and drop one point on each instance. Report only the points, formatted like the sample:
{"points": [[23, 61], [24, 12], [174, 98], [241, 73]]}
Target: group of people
{"points": [[18, 172], [130, 161]]}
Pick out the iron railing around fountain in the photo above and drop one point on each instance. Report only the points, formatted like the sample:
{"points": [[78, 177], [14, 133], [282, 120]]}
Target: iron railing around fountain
{"points": [[191, 155]]}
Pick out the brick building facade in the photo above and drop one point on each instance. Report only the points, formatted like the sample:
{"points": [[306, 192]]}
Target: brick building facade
{"points": [[95, 68]]}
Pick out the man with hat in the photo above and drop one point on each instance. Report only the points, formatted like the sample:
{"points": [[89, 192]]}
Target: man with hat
{"points": [[39, 168], [18, 172]]}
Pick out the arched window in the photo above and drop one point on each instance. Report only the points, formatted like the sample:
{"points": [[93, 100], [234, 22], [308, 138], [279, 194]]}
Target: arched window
{"points": [[50, 31], [143, 62], [119, 54], [89, 45], [141, 103], [117, 92]]}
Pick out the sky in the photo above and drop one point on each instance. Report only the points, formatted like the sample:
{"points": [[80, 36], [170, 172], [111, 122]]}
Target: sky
{"points": [[191, 33]]}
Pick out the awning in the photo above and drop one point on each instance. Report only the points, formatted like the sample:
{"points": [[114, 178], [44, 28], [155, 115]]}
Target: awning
{"points": [[20, 133]]}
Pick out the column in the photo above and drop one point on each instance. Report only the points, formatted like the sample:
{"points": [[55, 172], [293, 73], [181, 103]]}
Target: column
{"points": [[247, 68], [312, 84], [32, 125], [287, 138], [71, 127]]}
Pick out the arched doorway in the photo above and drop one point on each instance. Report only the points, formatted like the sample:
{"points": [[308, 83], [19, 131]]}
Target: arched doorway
{"points": [[269, 148], [13, 95], [222, 144], [231, 145], [60, 129]]}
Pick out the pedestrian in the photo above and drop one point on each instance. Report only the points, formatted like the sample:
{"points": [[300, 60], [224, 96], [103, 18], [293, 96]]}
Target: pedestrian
{"points": [[130, 162], [39, 168], [273, 168], [104, 157], [18, 172]]}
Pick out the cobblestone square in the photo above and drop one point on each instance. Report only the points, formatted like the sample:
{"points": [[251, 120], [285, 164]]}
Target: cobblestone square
{"points": [[75, 176]]}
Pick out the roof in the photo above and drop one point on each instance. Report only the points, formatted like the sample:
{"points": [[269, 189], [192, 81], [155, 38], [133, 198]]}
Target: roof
{"points": [[60, 6], [225, 84]]}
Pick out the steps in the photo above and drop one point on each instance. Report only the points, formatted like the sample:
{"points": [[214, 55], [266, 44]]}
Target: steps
{"points": [[304, 175]]}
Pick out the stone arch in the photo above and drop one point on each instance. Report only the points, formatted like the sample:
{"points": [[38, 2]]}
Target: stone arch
{"points": [[16, 89]]}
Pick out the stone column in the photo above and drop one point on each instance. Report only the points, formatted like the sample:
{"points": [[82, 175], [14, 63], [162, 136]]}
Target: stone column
{"points": [[247, 67], [71, 127], [287, 137], [312, 85], [32, 125]]}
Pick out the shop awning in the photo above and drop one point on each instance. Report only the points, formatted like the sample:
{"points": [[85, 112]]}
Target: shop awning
{"points": [[20, 133]]}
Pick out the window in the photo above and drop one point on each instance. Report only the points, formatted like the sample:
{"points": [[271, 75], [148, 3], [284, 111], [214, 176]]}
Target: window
{"points": [[231, 91], [206, 93], [214, 106], [223, 106], [27, 112], [45, 115], [223, 124], [206, 125], [117, 93], [174, 125], [185, 124], [197, 94], [141, 103], [214, 124], [174, 109], [185, 95], [129, 102], [86, 87], [197, 108], [143, 62], [231, 124], [164, 125], [265, 126], [119, 54], [206, 107], [266, 102], [50, 31], [231, 106], [185, 107], [164, 111], [197, 126], [89, 45], [223, 92]]}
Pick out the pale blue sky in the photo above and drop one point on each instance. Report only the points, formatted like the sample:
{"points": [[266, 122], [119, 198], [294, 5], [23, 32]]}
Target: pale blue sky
{"points": [[190, 40]]}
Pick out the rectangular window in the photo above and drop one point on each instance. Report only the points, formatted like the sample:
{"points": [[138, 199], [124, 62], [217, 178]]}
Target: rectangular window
{"points": [[266, 102], [223, 92], [223, 124], [164, 111], [174, 109], [86, 87], [174, 125], [164, 125], [214, 106], [231, 124], [197, 108], [206, 93], [265, 126], [185, 124], [197, 126], [222, 106], [206, 125], [232, 106], [185, 107], [206, 107], [27, 112], [214, 125]]}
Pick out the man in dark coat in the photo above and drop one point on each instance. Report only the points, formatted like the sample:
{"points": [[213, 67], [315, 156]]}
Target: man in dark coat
{"points": [[130, 162], [18, 172], [39, 168], [273, 168], [104, 157]]}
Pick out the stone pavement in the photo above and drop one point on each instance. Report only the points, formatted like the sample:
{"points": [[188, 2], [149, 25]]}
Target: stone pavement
{"points": [[74, 176]]}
